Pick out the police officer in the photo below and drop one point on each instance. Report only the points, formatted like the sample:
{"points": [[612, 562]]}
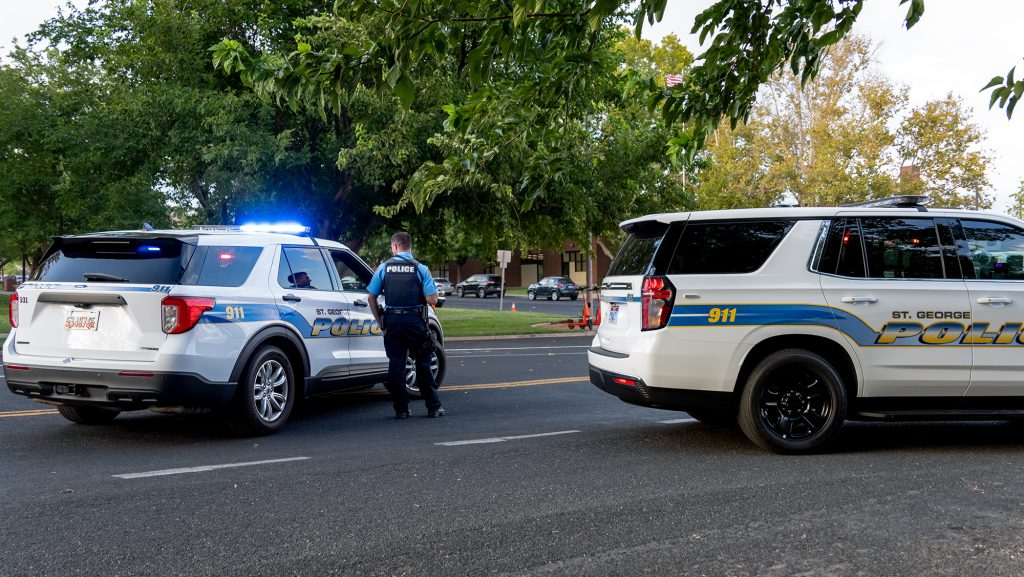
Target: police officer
{"points": [[408, 289]]}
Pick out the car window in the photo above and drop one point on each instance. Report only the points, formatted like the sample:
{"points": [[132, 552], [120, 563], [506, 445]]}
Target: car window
{"points": [[637, 252], [226, 266], [997, 250], [354, 275], [116, 259], [844, 253], [303, 268], [902, 248], [727, 247]]}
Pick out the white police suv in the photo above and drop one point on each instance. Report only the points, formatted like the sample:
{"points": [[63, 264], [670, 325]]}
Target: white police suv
{"points": [[793, 320], [249, 320]]}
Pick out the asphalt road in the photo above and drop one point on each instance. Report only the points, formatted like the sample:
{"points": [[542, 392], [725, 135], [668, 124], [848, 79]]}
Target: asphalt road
{"points": [[534, 472]]}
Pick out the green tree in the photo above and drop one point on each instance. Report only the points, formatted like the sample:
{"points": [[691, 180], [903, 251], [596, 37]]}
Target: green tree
{"points": [[946, 147], [1017, 199], [830, 141]]}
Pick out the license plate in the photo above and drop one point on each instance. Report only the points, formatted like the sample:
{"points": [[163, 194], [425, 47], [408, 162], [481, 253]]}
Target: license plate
{"points": [[82, 320], [613, 313]]}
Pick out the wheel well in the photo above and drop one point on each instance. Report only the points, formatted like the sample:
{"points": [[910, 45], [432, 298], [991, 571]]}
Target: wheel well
{"points": [[830, 350], [284, 340], [295, 358]]}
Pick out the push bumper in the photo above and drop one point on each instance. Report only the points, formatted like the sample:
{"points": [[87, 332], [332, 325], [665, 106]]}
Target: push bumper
{"points": [[122, 389]]}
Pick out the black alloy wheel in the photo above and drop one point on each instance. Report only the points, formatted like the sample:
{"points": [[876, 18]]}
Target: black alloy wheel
{"points": [[794, 402], [438, 363]]}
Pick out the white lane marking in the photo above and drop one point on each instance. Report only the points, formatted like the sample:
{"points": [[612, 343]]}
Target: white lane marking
{"points": [[503, 439], [510, 356], [515, 348], [203, 468], [674, 421]]}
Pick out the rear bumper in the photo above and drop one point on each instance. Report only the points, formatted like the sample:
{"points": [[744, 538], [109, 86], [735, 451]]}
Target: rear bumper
{"points": [[115, 388], [639, 393]]}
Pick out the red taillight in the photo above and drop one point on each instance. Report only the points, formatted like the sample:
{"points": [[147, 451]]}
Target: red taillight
{"points": [[622, 381], [180, 314], [656, 301], [12, 310]]}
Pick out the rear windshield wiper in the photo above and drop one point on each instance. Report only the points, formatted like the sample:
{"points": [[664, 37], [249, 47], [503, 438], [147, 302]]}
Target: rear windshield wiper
{"points": [[103, 277]]}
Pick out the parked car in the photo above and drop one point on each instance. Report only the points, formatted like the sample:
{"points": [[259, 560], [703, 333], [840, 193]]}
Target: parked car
{"points": [[792, 321], [444, 286], [481, 285], [554, 288], [176, 320]]}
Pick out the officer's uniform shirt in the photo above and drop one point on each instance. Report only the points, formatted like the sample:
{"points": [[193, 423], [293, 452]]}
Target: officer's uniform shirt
{"points": [[376, 286]]}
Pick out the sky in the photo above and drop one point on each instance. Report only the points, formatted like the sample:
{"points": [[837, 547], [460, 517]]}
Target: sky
{"points": [[956, 47]]}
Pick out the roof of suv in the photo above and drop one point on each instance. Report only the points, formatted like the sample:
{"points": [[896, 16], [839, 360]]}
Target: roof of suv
{"points": [[216, 237], [792, 212]]}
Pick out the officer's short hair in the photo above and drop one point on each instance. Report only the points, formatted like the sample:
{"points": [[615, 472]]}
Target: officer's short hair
{"points": [[402, 239]]}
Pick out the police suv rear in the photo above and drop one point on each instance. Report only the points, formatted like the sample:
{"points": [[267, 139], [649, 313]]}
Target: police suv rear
{"points": [[793, 320], [182, 321]]}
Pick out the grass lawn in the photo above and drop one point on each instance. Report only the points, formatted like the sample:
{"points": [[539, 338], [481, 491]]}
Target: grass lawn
{"points": [[473, 323]]}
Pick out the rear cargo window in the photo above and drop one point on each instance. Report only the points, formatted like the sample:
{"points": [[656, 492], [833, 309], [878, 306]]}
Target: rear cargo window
{"points": [[727, 247], [637, 253], [118, 260], [226, 266]]}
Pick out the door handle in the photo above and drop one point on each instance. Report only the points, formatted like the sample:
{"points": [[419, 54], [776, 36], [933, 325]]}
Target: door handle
{"points": [[994, 301], [291, 298], [857, 300], [359, 303]]}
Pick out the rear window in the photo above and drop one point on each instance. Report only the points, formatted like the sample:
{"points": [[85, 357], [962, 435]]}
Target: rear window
{"points": [[148, 261], [118, 260], [727, 247], [637, 253]]}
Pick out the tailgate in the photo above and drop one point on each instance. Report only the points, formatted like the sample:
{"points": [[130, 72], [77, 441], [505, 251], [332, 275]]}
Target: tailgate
{"points": [[90, 321], [621, 309]]}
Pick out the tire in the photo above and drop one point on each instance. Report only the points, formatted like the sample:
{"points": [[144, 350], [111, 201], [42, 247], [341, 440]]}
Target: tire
{"points": [[481, 293], [574, 297], [555, 295], [712, 417], [461, 292], [266, 394], [438, 363], [531, 295], [793, 402], [88, 415]]}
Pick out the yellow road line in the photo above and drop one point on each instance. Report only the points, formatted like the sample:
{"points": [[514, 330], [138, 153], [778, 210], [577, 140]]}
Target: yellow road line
{"points": [[508, 385], [27, 413]]}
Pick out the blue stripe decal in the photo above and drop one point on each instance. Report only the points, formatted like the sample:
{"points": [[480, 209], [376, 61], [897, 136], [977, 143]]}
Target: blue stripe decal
{"points": [[322, 327], [722, 315]]}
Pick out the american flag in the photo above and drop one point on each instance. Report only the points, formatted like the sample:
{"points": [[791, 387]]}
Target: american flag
{"points": [[673, 79]]}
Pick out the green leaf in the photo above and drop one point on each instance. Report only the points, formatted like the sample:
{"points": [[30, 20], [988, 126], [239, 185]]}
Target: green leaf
{"points": [[304, 48], [996, 81], [405, 91], [518, 14]]}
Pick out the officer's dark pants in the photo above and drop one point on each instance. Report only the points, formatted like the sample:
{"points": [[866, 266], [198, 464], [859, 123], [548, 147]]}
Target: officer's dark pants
{"points": [[407, 334]]}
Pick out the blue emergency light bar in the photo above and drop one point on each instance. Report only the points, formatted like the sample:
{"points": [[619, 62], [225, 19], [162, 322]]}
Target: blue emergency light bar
{"points": [[281, 227]]}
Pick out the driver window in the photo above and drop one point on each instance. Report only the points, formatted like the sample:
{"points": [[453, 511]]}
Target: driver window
{"points": [[354, 276], [303, 269]]}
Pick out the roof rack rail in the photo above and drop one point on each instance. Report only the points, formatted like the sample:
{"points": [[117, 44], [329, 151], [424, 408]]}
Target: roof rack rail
{"points": [[918, 201], [231, 227]]}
